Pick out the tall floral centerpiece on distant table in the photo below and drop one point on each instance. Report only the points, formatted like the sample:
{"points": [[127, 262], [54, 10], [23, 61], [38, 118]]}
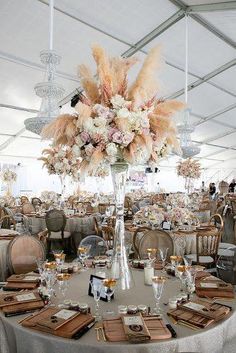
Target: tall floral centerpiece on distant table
{"points": [[62, 162], [8, 177], [117, 124], [190, 170]]}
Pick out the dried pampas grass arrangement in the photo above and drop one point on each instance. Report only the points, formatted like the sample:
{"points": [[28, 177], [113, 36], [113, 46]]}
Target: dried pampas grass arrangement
{"points": [[114, 120]]}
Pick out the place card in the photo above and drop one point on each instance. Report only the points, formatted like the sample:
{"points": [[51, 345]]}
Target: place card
{"points": [[65, 314], [208, 285], [31, 278], [25, 297], [194, 306], [133, 320]]}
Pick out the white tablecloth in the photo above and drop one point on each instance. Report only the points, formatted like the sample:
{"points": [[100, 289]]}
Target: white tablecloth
{"points": [[3, 259], [16, 339]]}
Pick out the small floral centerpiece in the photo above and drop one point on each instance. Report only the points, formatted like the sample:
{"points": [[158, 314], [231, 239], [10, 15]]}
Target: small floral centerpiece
{"points": [[177, 200], [189, 169], [180, 216], [8, 177], [150, 215]]}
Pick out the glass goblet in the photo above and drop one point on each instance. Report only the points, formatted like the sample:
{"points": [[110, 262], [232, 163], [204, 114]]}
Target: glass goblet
{"points": [[151, 253], [181, 273], [97, 288], [62, 279], [83, 253], [163, 254], [157, 286], [110, 286]]}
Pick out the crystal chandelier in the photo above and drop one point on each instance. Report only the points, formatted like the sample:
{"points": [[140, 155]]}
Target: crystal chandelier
{"points": [[50, 91], [189, 149]]}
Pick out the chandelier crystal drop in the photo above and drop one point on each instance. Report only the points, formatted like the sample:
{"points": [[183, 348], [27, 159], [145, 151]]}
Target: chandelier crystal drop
{"points": [[49, 91]]}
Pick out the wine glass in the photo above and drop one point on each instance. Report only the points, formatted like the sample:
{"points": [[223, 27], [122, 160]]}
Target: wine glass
{"points": [[62, 279], [109, 284], [181, 273], [83, 253], [97, 287], [151, 253], [157, 286], [59, 257], [49, 276], [163, 255]]}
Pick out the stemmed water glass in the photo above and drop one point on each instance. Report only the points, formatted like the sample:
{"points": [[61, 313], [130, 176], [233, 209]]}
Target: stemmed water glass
{"points": [[59, 257], [97, 287], [182, 274], [151, 253], [157, 285], [83, 253], [62, 279], [163, 255], [49, 276], [110, 286]]}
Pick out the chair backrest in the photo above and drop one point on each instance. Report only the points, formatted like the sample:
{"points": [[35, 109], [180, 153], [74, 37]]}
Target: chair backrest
{"points": [[108, 235], [22, 253], [55, 221], [36, 201], [207, 242], [217, 221], [22, 224], [24, 199], [98, 245], [27, 208], [158, 239], [6, 220], [145, 238]]}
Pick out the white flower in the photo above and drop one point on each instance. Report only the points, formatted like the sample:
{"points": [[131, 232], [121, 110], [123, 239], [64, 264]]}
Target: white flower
{"points": [[123, 113], [88, 124], [78, 141], [118, 101], [111, 149], [76, 151], [61, 154], [100, 122]]}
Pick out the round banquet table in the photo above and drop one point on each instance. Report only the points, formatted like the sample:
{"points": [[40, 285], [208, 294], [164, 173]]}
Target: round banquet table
{"points": [[16, 339]]}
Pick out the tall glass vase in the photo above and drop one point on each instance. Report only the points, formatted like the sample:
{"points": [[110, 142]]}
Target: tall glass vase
{"points": [[120, 262], [63, 189]]}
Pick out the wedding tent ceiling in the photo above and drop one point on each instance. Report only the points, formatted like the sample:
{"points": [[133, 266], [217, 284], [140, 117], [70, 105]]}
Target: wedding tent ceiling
{"points": [[128, 28]]}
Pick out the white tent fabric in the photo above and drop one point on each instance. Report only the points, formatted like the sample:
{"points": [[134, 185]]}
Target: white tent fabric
{"points": [[121, 26]]}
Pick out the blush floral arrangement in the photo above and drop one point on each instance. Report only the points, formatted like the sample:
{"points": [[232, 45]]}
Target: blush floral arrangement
{"points": [[60, 161], [190, 170], [8, 176], [114, 121]]}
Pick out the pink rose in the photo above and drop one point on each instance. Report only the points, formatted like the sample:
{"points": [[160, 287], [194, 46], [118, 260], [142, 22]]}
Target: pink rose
{"points": [[111, 132], [85, 136], [127, 138], [117, 137]]}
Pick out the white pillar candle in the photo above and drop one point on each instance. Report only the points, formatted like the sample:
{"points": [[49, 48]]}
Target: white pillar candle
{"points": [[148, 275]]}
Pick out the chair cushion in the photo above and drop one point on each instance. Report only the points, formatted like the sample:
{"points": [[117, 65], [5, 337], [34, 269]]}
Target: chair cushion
{"points": [[202, 259], [226, 245], [57, 235]]}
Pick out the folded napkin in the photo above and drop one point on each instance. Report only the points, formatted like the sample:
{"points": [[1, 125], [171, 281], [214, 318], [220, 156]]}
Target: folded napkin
{"points": [[135, 328]]}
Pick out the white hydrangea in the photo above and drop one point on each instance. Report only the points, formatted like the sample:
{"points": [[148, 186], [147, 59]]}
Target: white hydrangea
{"points": [[111, 149], [123, 113], [118, 101]]}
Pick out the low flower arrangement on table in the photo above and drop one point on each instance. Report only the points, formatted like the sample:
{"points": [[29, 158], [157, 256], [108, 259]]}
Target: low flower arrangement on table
{"points": [[177, 200], [190, 170], [155, 216]]}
